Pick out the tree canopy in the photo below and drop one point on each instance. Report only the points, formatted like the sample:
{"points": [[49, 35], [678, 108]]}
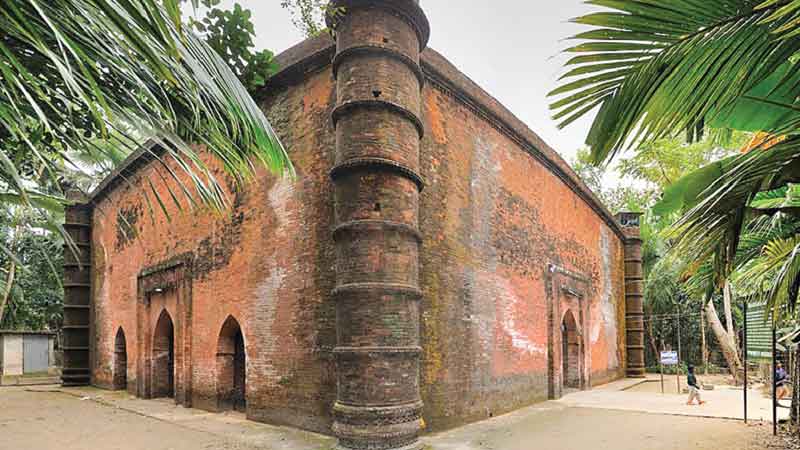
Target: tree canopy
{"points": [[655, 70], [83, 83]]}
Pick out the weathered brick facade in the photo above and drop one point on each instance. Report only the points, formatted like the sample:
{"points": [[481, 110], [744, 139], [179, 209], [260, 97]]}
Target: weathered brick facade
{"points": [[433, 257]]}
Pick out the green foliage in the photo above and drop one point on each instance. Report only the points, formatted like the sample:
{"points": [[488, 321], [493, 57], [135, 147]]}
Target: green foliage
{"points": [[761, 107], [651, 172], [786, 197], [686, 192], [718, 228], [230, 33], [654, 69], [591, 174], [85, 82], [664, 161], [648, 178], [37, 297], [73, 71], [309, 15], [658, 69], [629, 197], [32, 266]]}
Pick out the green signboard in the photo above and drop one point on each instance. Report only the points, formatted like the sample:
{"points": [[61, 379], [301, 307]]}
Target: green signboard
{"points": [[759, 333]]}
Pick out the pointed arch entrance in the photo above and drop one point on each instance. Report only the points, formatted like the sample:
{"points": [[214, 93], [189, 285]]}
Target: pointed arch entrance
{"points": [[120, 361], [163, 357], [570, 352], [231, 367]]}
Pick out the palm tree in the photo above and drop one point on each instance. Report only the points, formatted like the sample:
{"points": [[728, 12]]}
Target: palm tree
{"points": [[82, 78], [656, 69]]}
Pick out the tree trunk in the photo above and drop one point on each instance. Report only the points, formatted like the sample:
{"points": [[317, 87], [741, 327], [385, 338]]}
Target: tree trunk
{"points": [[703, 348], [729, 350], [12, 266], [652, 340], [12, 269], [726, 303]]}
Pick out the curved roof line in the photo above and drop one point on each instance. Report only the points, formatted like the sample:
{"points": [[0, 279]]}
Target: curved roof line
{"points": [[317, 53]]}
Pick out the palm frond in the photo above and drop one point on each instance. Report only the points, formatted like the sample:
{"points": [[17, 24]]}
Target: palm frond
{"points": [[773, 276], [675, 64], [77, 69], [744, 223]]}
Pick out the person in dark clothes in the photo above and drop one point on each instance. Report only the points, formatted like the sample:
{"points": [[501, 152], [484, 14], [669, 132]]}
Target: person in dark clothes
{"points": [[694, 388]]}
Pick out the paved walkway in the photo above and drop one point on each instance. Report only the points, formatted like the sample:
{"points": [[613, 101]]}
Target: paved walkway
{"points": [[724, 402], [554, 426]]}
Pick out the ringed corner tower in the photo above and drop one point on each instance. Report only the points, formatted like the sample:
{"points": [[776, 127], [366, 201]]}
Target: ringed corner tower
{"points": [[434, 262], [377, 184]]}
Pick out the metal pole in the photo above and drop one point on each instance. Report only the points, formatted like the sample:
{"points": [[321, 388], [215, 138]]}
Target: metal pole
{"points": [[678, 367], [744, 358], [774, 386], [679, 336]]}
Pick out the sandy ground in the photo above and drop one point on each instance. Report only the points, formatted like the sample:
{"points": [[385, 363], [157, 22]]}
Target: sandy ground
{"points": [[38, 418], [45, 418]]}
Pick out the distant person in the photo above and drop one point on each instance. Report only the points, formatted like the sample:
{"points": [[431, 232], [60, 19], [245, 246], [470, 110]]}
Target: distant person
{"points": [[694, 388], [781, 382]]}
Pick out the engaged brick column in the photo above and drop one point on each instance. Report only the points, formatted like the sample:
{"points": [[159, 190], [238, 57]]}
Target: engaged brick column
{"points": [[634, 294], [377, 186], [77, 293]]}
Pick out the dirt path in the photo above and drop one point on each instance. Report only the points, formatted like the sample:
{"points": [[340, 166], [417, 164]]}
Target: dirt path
{"points": [[49, 420], [46, 420]]}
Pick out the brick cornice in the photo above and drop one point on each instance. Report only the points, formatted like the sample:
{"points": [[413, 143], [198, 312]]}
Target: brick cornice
{"points": [[316, 54]]}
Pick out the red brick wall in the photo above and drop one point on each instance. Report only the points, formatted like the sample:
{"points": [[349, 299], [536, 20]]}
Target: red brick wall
{"points": [[493, 219], [267, 262]]}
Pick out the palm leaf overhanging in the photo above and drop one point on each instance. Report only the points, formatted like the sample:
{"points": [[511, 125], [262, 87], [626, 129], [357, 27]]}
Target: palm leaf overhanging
{"points": [[656, 69], [75, 72], [651, 68]]}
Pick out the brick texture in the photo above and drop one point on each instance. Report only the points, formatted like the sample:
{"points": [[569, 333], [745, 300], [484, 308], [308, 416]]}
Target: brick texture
{"points": [[377, 185], [507, 248], [392, 273], [267, 262]]}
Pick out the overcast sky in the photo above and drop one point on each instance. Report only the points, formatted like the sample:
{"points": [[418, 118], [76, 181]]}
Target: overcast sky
{"points": [[511, 48]]}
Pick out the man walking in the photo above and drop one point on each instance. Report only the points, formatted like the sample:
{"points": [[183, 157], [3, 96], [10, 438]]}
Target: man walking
{"points": [[694, 388]]}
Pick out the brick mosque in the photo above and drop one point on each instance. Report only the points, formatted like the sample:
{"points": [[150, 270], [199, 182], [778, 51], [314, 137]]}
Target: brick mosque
{"points": [[433, 262]]}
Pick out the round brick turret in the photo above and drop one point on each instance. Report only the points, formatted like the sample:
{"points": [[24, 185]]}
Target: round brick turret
{"points": [[77, 292], [377, 188], [634, 295]]}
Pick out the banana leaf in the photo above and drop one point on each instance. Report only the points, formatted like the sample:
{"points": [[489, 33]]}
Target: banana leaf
{"points": [[685, 193]]}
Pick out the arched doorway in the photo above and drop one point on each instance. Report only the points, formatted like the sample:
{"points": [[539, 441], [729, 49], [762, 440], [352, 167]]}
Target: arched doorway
{"points": [[164, 357], [120, 361], [231, 367], [570, 352]]}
